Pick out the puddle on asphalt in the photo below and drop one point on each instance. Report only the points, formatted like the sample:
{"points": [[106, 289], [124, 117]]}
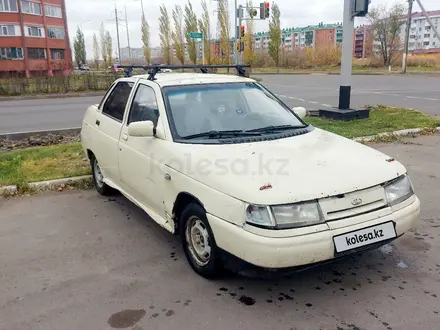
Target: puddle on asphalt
{"points": [[126, 319]]}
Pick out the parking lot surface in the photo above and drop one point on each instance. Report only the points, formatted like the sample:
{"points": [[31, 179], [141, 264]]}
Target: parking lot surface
{"points": [[76, 260]]}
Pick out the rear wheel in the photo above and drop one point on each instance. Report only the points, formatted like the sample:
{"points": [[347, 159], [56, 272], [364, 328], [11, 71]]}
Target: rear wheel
{"points": [[98, 178], [198, 242]]}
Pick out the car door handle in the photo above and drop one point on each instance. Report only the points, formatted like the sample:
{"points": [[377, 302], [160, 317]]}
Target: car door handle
{"points": [[97, 123], [124, 137]]}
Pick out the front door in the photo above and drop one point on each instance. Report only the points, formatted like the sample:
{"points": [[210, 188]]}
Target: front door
{"points": [[139, 172]]}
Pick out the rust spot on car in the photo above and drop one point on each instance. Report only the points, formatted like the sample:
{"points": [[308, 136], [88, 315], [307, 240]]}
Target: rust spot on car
{"points": [[390, 160], [266, 186]]}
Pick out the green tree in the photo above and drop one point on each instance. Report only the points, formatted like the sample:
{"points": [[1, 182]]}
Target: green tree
{"points": [[79, 47], [109, 47], [178, 34], [96, 50], [275, 34], [204, 27], [146, 39], [387, 23], [165, 34], [191, 26], [223, 21], [103, 44]]}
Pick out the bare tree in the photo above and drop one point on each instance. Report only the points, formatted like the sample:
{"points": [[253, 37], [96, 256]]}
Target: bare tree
{"points": [[387, 23], [146, 39], [178, 34], [109, 47], [191, 26], [103, 44], [165, 34], [96, 50], [275, 34], [204, 27], [249, 44], [223, 20]]}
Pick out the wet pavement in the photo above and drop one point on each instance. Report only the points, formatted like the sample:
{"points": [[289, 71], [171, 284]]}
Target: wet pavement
{"points": [[76, 260]]}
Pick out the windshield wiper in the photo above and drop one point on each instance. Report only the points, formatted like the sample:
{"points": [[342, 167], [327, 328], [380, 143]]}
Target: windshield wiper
{"points": [[275, 128], [220, 134]]}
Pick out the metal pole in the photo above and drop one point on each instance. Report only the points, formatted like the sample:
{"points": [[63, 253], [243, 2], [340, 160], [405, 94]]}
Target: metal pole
{"points": [[429, 19], [347, 49], [128, 34], [117, 33], [408, 27], [203, 49], [236, 32]]}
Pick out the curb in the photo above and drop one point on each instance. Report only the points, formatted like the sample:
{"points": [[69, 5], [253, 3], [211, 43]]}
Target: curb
{"points": [[49, 96], [402, 132], [24, 135], [45, 185]]}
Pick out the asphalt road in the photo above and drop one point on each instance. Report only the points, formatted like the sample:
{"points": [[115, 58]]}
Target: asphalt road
{"points": [[76, 260], [311, 91]]}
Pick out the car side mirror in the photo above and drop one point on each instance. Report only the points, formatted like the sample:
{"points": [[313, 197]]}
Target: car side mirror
{"points": [[141, 129], [300, 112]]}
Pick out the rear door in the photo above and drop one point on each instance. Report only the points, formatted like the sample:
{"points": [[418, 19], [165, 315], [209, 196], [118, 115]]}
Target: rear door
{"points": [[108, 125]]}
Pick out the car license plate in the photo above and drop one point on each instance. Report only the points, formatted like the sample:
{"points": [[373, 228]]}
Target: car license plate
{"points": [[366, 236]]}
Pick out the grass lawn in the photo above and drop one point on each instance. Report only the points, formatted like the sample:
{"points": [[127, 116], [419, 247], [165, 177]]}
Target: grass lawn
{"points": [[382, 119], [42, 163]]}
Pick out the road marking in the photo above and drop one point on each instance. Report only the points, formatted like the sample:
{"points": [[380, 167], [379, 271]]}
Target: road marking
{"points": [[326, 105], [313, 102]]}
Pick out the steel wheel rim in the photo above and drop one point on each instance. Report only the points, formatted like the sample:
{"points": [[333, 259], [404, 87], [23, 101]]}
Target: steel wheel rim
{"points": [[99, 178], [198, 242]]}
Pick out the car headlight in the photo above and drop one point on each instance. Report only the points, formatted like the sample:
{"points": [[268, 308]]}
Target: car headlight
{"points": [[285, 216], [399, 190]]}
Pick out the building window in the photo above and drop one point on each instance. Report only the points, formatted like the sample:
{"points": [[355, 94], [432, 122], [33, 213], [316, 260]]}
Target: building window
{"points": [[57, 54], [53, 11], [33, 8], [11, 53], [7, 30], [426, 43], [8, 5], [427, 35], [56, 33], [36, 53], [34, 31], [427, 28]]}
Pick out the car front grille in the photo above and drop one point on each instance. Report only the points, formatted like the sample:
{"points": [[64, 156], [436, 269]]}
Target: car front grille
{"points": [[353, 204]]}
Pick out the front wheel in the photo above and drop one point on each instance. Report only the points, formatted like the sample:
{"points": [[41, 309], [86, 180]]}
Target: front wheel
{"points": [[98, 178], [198, 242]]}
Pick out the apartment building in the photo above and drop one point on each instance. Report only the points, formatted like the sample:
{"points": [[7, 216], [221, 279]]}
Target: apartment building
{"points": [[363, 41], [34, 38], [422, 38], [302, 37]]}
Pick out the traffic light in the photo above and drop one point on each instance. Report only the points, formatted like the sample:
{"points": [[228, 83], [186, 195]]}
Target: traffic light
{"points": [[262, 9], [242, 31], [267, 10], [361, 7], [240, 46]]}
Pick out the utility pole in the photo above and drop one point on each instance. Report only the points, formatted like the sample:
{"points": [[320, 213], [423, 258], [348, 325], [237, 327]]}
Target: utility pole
{"points": [[128, 35], [346, 61], [142, 5], [408, 28], [117, 32], [236, 31]]}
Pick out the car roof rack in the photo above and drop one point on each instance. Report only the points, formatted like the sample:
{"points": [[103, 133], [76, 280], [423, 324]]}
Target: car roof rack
{"points": [[154, 69]]}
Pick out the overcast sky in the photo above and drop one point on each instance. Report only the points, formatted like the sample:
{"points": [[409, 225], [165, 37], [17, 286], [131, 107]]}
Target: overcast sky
{"points": [[90, 13]]}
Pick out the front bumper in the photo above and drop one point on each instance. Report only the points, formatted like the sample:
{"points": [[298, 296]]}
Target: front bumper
{"points": [[311, 248]]}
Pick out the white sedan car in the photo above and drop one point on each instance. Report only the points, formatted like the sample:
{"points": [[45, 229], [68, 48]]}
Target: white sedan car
{"points": [[223, 162]]}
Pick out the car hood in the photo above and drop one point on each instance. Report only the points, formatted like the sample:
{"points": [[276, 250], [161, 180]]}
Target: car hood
{"points": [[305, 167]]}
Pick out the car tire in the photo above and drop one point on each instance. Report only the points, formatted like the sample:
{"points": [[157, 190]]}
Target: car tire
{"points": [[98, 178], [198, 242]]}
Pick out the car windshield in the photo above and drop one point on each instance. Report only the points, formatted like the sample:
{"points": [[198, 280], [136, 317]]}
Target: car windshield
{"points": [[243, 107]]}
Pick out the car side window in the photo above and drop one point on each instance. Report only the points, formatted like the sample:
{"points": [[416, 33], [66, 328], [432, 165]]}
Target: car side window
{"points": [[144, 106], [116, 102]]}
